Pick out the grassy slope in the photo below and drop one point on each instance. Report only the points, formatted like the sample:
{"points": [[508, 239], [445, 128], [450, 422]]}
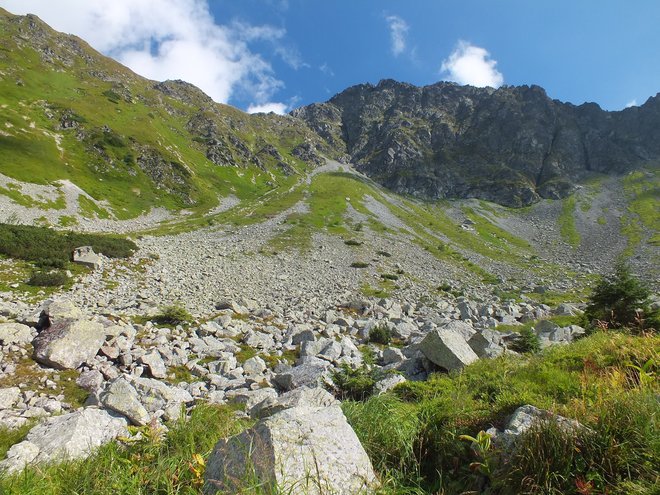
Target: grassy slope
{"points": [[35, 92]]}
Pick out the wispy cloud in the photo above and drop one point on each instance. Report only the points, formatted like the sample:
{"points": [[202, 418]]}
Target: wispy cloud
{"points": [[398, 33], [632, 103], [170, 39], [470, 64], [326, 69]]}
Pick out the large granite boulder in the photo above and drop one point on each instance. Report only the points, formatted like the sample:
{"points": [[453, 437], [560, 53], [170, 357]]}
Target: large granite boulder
{"points": [[67, 344], [447, 349], [70, 436], [302, 450]]}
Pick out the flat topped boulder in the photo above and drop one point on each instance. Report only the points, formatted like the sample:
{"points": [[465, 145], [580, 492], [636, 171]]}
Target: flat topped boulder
{"points": [[447, 349], [67, 344], [86, 256], [302, 450]]}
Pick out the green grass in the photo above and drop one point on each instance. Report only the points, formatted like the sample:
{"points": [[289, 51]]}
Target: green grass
{"points": [[412, 433], [642, 190], [150, 466], [567, 227]]}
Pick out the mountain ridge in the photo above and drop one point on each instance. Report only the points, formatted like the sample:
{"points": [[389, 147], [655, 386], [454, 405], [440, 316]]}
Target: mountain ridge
{"points": [[512, 145]]}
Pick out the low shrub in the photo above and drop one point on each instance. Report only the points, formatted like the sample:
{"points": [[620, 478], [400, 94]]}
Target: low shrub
{"points": [[352, 242], [49, 247], [380, 334], [527, 341], [353, 384], [173, 315], [359, 264], [48, 279]]}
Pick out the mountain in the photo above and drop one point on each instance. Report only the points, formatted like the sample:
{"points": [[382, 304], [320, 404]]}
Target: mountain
{"points": [[513, 145], [72, 114]]}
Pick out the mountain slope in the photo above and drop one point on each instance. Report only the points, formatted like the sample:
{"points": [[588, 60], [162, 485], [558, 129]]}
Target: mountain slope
{"points": [[513, 145], [70, 113]]}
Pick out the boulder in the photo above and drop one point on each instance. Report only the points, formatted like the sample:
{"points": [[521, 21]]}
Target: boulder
{"points": [[250, 398], [58, 310], [9, 396], [388, 383], [527, 416], [120, 396], [447, 349], [158, 396], [86, 256], [70, 436], [487, 343], [92, 380], [303, 396], [302, 450], [15, 333], [309, 373], [67, 344], [154, 362]]}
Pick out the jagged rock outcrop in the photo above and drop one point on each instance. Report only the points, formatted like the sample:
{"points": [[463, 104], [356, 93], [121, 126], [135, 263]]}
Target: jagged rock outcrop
{"points": [[512, 145]]}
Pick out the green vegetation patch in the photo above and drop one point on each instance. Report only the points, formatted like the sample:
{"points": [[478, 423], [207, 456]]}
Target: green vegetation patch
{"points": [[567, 227], [158, 463], [42, 244], [413, 433]]}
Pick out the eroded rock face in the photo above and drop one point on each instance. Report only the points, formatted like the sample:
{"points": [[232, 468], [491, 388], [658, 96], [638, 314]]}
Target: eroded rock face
{"points": [[512, 145], [70, 436], [67, 344], [302, 450]]}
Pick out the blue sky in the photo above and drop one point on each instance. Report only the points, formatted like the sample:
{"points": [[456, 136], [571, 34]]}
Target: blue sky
{"points": [[278, 54]]}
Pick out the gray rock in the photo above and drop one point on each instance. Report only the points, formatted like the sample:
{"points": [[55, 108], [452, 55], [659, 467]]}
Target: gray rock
{"points": [[392, 355], [447, 349], [92, 380], [524, 418], [302, 450], [388, 383], [255, 366], [155, 364], [67, 344], [70, 436], [9, 396], [15, 333], [86, 256], [58, 310], [121, 396], [250, 397], [309, 373], [303, 396], [486, 343], [158, 396]]}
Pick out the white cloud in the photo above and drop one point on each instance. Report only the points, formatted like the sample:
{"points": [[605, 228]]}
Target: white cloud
{"points": [[632, 103], [278, 108], [469, 64], [169, 39], [398, 31]]}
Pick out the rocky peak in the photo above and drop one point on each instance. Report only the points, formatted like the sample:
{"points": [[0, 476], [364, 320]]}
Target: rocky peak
{"points": [[512, 145]]}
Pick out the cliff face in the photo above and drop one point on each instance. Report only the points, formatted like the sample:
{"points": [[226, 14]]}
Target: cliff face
{"points": [[512, 145]]}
